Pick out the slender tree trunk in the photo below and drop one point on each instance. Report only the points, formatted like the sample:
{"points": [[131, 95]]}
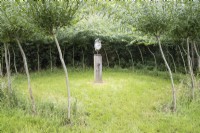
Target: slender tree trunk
{"points": [[198, 56], [1, 74], [190, 69], [172, 60], [83, 59], [118, 58], [51, 62], [7, 68], [73, 57], [64, 53], [192, 54], [141, 55], [14, 58], [131, 57], [108, 64], [38, 57], [171, 76], [66, 74], [8, 56], [182, 59], [184, 50], [155, 61], [28, 77], [2, 60]]}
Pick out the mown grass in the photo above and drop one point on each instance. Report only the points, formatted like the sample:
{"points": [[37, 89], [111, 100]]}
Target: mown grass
{"points": [[127, 101]]}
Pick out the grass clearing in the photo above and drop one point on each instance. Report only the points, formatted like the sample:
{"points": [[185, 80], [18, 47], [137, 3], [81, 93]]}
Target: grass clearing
{"points": [[127, 101]]}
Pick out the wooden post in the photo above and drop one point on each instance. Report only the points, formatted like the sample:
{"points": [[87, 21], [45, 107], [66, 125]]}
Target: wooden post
{"points": [[97, 68]]}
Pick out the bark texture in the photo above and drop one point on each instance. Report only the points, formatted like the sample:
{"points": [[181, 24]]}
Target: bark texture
{"points": [[7, 68], [28, 77], [14, 58], [190, 68], [108, 63], [155, 61], [171, 76], [66, 75]]}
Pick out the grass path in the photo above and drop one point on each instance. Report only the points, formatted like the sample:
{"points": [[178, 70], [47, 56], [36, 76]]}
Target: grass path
{"points": [[126, 102]]}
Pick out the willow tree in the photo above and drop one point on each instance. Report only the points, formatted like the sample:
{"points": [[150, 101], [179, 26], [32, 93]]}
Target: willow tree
{"points": [[17, 28], [5, 40], [50, 16], [186, 27], [154, 19]]}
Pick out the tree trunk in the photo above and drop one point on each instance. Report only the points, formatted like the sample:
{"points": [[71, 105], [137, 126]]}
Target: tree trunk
{"points": [[131, 57], [7, 68], [83, 60], [64, 54], [141, 55], [1, 74], [8, 56], [171, 76], [2, 61], [1, 71], [73, 57], [38, 57], [155, 61], [184, 50], [172, 60], [28, 77], [182, 59], [66, 74], [192, 54], [118, 58], [198, 56], [14, 58], [108, 64], [51, 62], [190, 69]]}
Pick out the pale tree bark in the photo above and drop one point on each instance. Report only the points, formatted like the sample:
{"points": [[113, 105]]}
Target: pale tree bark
{"points": [[2, 61], [7, 68], [8, 56], [171, 76], [14, 58], [190, 69], [131, 57], [64, 53], [1, 74], [1, 71], [51, 62], [182, 59], [108, 63], [141, 54], [28, 76], [66, 74], [172, 60], [184, 50], [73, 57], [38, 57], [118, 58], [192, 55], [83, 59], [198, 56], [155, 61]]}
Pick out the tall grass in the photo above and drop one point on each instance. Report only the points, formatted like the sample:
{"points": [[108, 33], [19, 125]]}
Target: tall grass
{"points": [[127, 101]]}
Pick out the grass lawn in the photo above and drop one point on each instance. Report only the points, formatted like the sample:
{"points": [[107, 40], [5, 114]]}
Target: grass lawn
{"points": [[127, 101]]}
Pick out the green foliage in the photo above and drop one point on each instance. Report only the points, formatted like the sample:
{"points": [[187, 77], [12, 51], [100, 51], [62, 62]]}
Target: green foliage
{"points": [[51, 15], [153, 18], [14, 22], [186, 21]]}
